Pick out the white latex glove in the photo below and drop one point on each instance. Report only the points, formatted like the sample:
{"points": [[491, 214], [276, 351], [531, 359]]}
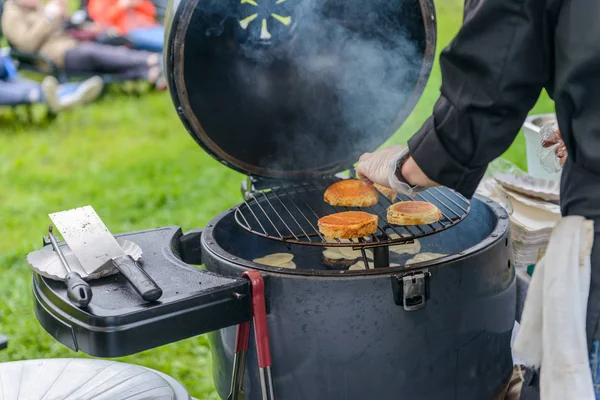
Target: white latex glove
{"points": [[374, 167], [380, 168]]}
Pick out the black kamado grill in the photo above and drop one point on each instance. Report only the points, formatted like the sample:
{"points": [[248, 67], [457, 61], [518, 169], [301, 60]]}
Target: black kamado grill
{"points": [[291, 92]]}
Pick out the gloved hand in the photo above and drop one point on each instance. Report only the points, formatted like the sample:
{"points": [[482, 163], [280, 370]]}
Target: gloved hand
{"points": [[380, 168], [375, 167]]}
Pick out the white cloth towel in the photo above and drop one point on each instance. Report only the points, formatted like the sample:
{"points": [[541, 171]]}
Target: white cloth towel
{"points": [[552, 334]]}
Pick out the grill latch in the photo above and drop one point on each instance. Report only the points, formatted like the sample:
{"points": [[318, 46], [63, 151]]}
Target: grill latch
{"points": [[411, 290]]}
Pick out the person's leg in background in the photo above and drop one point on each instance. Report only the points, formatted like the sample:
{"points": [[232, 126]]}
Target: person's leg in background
{"points": [[150, 39], [15, 90], [103, 59], [57, 97], [69, 95], [14, 93]]}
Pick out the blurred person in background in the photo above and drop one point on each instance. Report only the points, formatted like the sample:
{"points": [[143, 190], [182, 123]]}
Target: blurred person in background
{"points": [[15, 90], [134, 19], [34, 27]]}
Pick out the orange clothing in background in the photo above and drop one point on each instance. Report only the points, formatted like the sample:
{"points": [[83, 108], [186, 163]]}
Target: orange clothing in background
{"points": [[112, 13]]}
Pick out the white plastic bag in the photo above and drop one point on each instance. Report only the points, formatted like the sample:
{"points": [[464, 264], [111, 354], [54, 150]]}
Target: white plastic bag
{"points": [[552, 144], [492, 189]]}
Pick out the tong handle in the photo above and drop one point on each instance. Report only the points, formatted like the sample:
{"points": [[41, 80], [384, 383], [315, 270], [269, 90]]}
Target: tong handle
{"points": [[78, 290], [261, 332], [139, 279], [242, 338], [259, 311]]}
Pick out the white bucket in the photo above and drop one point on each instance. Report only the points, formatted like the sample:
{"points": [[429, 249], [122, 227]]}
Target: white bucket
{"points": [[533, 144]]}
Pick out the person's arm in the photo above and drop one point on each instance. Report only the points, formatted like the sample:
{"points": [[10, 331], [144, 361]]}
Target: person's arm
{"points": [[577, 85], [492, 75], [24, 34]]}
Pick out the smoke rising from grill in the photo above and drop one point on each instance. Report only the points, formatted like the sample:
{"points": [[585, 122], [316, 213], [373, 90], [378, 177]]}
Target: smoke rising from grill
{"points": [[329, 84], [361, 55], [369, 74]]}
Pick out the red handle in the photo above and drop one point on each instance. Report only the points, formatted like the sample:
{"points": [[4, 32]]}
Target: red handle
{"points": [[259, 310], [242, 337]]}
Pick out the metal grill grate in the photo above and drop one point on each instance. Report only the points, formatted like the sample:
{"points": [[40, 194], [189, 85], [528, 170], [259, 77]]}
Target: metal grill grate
{"points": [[289, 213]]}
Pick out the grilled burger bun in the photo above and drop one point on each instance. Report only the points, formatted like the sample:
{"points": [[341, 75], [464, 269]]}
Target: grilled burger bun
{"points": [[386, 191], [347, 225], [413, 213], [351, 193]]}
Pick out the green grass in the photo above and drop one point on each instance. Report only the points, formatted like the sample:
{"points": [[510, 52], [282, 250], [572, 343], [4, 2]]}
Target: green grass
{"points": [[133, 161]]}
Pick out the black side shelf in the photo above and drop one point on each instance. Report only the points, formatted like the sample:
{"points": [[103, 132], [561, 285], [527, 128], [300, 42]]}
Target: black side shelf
{"points": [[118, 322]]}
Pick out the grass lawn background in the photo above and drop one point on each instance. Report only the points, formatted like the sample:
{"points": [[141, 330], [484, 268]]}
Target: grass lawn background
{"points": [[133, 161]]}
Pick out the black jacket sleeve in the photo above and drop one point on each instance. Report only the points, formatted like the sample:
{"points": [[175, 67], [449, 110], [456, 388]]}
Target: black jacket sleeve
{"points": [[577, 95], [492, 75]]}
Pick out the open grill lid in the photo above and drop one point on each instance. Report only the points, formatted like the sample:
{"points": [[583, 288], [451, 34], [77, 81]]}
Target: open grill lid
{"points": [[297, 88]]}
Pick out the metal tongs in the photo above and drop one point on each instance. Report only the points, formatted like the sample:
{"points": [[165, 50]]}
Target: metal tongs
{"points": [[78, 290], [261, 334]]}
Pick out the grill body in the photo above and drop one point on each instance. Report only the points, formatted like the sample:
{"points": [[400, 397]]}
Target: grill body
{"points": [[343, 337], [334, 334]]}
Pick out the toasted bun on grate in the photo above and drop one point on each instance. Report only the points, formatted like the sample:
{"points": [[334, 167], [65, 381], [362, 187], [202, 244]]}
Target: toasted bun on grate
{"points": [[349, 224], [387, 192], [351, 193], [413, 213]]}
